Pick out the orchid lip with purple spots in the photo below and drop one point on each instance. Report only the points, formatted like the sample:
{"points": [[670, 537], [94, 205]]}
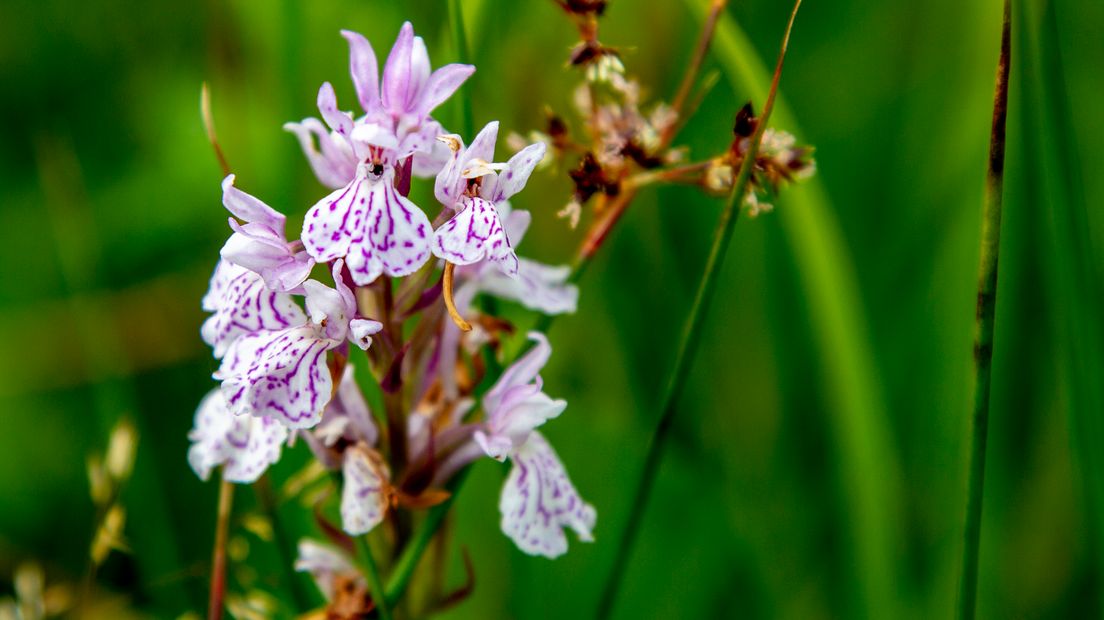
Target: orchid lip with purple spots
{"points": [[368, 223], [474, 187], [244, 446]]}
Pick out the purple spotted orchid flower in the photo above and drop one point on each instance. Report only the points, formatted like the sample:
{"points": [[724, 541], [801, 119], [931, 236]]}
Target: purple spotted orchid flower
{"points": [[283, 373], [396, 111], [538, 499], [244, 445], [369, 224], [474, 187], [516, 404], [260, 244]]}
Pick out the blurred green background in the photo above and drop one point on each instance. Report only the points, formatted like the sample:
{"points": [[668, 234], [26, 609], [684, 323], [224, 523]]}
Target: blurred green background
{"points": [[817, 465]]}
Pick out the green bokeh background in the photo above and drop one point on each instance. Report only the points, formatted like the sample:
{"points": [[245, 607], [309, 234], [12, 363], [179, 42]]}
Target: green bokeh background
{"points": [[817, 464]]}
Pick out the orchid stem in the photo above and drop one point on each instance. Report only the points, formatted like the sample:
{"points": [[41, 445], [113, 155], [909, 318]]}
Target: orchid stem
{"points": [[691, 339], [218, 555], [983, 331], [374, 581], [408, 561]]}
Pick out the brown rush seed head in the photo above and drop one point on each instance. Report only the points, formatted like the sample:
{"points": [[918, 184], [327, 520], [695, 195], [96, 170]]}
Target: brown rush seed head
{"points": [[590, 178], [583, 7], [745, 123]]}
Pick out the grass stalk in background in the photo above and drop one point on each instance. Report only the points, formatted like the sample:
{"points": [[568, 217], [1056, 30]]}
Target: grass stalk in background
{"points": [[215, 603], [1074, 284], [983, 335], [691, 337], [857, 414], [463, 56], [364, 550]]}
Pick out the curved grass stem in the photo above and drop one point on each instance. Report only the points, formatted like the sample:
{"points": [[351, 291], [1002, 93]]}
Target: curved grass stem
{"points": [[691, 339], [983, 331]]}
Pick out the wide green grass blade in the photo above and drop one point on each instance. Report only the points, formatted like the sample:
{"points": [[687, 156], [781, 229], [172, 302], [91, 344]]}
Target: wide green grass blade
{"points": [[1054, 187], [858, 415]]}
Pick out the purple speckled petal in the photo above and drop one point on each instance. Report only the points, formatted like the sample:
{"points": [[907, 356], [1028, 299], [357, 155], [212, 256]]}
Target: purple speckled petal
{"points": [[332, 224], [332, 160], [539, 287], [538, 501], [441, 85], [513, 179], [245, 307], [281, 374], [430, 154], [325, 564], [330, 309], [339, 121], [364, 69], [363, 497], [473, 234], [244, 446]]}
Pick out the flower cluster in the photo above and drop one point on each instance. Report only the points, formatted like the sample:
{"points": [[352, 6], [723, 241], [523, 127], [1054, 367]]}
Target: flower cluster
{"points": [[286, 317]]}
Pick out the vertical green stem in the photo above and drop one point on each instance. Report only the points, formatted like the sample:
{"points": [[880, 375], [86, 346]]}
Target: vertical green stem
{"points": [[374, 581], [691, 339], [983, 334]]}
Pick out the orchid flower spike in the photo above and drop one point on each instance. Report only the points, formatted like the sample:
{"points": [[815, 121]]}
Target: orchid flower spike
{"points": [[474, 187]]}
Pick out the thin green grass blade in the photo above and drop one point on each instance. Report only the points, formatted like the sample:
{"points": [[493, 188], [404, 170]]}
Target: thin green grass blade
{"points": [[858, 416]]}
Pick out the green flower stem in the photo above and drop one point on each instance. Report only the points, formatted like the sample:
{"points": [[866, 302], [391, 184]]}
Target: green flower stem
{"points": [[373, 574], [983, 334], [691, 339], [412, 553]]}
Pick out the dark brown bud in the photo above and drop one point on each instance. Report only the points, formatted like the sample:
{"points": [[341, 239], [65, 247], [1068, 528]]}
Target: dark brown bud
{"points": [[745, 122]]}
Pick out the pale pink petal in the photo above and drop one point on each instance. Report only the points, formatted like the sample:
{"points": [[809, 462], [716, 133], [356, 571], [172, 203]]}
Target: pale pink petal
{"points": [[364, 69], [538, 501], [539, 287], [339, 121], [362, 330], [442, 84], [332, 160], [397, 71], [363, 497], [325, 564], [522, 372], [250, 209]]}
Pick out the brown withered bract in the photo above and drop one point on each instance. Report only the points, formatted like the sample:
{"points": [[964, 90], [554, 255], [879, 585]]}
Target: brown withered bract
{"points": [[351, 600]]}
